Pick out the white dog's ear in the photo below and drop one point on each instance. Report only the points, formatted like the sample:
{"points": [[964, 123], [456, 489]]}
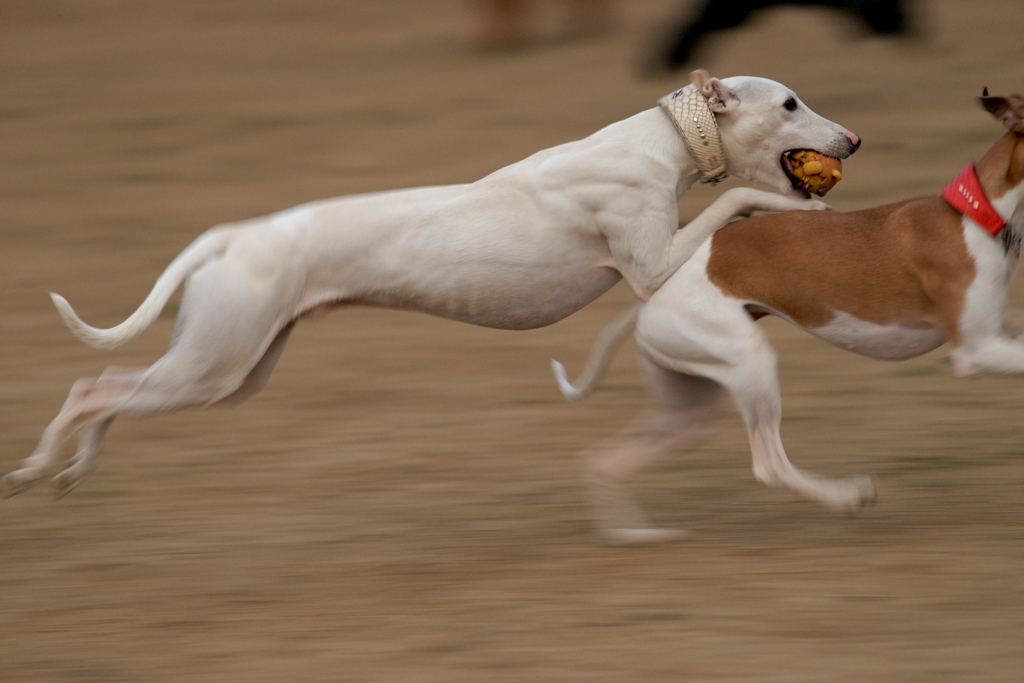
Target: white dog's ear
{"points": [[715, 91], [1009, 110]]}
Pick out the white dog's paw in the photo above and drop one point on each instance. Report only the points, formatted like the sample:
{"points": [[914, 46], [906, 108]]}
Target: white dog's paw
{"points": [[815, 205], [17, 481], [66, 482]]}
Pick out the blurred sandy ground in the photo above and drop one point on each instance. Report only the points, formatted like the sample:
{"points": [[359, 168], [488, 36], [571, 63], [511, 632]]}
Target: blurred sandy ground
{"points": [[403, 502]]}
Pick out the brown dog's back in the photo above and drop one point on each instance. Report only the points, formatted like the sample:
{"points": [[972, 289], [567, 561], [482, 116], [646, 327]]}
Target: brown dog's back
{"points": [[884, 265]]}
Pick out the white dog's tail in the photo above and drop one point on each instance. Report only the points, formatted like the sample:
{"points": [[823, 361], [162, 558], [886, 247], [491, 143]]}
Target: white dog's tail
{"points": [[608, 342], [205, 246]]}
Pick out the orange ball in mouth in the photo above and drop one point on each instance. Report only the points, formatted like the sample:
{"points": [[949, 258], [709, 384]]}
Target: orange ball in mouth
{"points": [[815, 172]]}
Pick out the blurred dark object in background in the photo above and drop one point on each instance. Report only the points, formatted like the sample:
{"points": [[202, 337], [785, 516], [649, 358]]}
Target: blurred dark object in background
{"points": [[511, 24], [880, 17]]}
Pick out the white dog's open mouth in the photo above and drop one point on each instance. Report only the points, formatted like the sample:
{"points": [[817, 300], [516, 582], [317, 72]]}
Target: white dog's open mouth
{"points": [[811, 172]]}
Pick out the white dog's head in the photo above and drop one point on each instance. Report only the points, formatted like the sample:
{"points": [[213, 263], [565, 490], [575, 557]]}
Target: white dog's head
{"points": [[761, 121]]}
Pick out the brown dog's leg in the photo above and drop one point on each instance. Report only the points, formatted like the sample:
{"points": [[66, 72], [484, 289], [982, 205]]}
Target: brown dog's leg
{"points": [[753, 383], [685, 407]]}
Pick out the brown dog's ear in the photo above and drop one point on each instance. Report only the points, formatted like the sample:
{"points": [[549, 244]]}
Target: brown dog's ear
{"points": [[1016, 121], [1009, 110], [715, 91]]}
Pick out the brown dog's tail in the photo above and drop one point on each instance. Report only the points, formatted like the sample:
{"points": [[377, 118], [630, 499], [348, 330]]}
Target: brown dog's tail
{"points": [[608, 342], [206, 245]]}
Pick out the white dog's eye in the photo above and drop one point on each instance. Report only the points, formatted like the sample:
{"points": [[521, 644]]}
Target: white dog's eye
{"points": [[790, 104]]}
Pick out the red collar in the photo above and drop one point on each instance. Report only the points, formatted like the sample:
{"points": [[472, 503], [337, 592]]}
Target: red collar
{"points": [[965, 194]]}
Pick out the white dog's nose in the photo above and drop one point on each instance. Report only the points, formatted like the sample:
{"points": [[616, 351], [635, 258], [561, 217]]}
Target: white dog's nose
{"points": [[853, 138]]}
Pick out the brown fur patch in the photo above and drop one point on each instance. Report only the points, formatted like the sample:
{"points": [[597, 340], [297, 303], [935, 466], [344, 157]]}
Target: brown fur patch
{"points": [[1002, 166], [901, 263]]}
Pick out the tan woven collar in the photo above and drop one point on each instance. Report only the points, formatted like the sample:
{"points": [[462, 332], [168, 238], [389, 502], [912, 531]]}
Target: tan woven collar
{"points": [[696, 123]]}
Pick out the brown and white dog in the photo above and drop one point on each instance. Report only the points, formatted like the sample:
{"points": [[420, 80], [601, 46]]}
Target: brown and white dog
{"points": [[891, 282]]}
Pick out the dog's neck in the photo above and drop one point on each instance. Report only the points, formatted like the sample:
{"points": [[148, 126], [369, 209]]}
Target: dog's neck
{"points": [[651, 134], [965, 194], [689, 112], [1000, 172], [1001, 168]]}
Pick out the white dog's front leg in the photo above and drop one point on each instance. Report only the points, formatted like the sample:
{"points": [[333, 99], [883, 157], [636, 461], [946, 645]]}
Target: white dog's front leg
{"points": [[738, 202]]}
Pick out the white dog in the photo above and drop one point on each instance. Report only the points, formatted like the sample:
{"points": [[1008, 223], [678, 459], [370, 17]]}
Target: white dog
{"points": [[523, 247], [891, 282]]}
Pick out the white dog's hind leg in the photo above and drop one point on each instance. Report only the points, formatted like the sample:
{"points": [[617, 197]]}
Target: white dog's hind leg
{"points": [[685, 407], [90, 407], [225, 344], [260, 374], [173, 382], [84, 460]]}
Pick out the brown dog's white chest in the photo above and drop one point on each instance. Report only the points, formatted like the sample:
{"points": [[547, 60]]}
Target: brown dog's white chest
{"points": [[894, 341]]}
